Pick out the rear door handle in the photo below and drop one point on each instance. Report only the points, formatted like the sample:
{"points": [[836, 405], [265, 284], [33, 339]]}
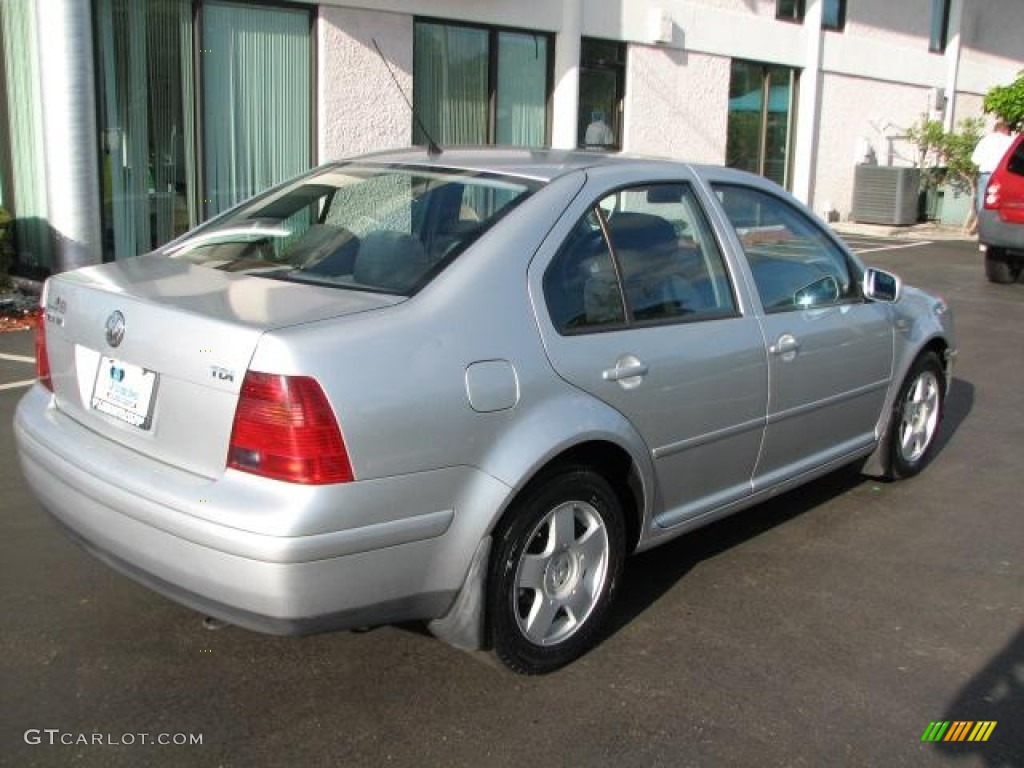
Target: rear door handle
{"points": [[786, 344], [628, 371]]}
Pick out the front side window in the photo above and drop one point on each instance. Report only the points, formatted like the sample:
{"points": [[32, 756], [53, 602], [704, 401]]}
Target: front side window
{"points": [[642, 255], [383, 229], [475, 85], [795, 264]]}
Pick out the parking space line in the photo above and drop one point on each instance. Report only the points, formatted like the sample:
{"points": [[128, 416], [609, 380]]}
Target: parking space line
{"points": [[17, 358], [893, 247], [17, 384]]}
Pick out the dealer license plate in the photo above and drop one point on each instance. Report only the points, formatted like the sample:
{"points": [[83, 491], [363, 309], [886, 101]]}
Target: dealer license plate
{"points": [[124, 391]]}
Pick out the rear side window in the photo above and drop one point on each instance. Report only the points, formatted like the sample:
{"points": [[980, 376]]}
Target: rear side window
{"points": [[385, 229], [1015, 164], [642, 255]]}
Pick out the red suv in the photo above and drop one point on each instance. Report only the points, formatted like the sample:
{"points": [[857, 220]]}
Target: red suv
{"points": [[1001, 219]]}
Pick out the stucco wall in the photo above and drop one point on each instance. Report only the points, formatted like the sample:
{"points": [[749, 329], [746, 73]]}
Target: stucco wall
{"points": [[853, 109], [902, 22], [359, 109], [760, 7], [677, 104], [967, 105]]}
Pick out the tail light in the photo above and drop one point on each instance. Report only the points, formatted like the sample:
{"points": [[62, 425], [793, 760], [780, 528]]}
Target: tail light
{"points": [[992, 195], [42, 358], [285, 429]]}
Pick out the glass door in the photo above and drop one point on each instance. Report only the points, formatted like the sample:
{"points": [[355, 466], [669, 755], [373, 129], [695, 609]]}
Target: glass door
{"points": [[145, 85], [762, 114]]}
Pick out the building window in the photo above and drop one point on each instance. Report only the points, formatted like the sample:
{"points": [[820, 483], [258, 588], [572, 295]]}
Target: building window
{"points": [[833, 14], [940, 26], [479, 85], [200, 107], [789, 10], [602, 79], [762, 116]]}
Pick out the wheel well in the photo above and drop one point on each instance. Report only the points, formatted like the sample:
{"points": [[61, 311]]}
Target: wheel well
{"points": [[616, 466], [939, 347]]}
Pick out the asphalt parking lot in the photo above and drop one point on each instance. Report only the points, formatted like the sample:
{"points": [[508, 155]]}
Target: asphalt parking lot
{"points": [[830, 626]]}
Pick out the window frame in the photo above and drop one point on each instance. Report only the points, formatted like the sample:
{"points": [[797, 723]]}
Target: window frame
{"points": [[493, 38]]}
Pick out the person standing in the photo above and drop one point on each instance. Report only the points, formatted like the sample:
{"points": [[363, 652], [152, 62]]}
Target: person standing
{"points": [[599, 133], [986, 156]]}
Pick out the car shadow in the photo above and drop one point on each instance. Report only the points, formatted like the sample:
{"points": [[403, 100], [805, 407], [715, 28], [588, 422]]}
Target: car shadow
{"points": [[995, 694], [651, 574], [959, 405]]}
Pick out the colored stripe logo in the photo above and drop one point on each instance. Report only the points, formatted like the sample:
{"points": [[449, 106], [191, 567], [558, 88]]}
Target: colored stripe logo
{"points": [[959, 730]]}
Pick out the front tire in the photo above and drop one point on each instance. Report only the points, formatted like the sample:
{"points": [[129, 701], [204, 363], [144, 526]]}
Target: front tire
{"points": [[916, 416], [554, 572], [1000, 267]]}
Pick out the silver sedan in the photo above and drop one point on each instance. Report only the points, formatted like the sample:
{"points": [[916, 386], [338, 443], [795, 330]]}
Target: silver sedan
{"points": [[462, 388]]}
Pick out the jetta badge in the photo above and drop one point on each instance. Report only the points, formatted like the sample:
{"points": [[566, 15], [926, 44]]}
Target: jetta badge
{"points": [[115, 328]]}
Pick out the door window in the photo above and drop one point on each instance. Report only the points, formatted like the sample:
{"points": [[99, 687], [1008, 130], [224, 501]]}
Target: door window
{"points": [[795, 264], [643, 255]]}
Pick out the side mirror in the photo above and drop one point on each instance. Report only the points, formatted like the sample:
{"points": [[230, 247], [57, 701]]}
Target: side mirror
{"points": [[880, 285]]}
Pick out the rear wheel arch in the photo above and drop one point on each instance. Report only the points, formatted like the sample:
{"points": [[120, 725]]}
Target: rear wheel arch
{"points": [[609, 460]]}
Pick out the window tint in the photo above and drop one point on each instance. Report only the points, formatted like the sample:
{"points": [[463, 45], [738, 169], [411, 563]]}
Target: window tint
{"points": [[648, 245], [794, 263]]}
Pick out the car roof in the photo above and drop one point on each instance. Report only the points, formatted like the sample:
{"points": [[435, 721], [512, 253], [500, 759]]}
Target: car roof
{"points": [[540, 164]]}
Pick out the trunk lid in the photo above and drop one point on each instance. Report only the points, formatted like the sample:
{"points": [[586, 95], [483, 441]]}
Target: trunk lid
{"points": [[151, 352]]}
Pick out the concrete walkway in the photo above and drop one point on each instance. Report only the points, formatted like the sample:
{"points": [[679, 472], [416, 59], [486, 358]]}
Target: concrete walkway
{"points": [[926, 231]]}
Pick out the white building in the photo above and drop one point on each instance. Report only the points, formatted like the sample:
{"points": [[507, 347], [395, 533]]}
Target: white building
{"points": [[124, 122]]}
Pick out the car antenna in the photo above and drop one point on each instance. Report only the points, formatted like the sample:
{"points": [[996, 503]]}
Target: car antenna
{"points": [[433, 150]]}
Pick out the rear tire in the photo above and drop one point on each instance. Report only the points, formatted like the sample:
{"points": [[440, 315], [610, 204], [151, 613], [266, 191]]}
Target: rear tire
{"points": [[1000, 267], [554, 571], [916, 415]]}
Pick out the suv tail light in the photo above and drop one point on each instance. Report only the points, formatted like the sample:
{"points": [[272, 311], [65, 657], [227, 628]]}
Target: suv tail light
{"points": [[992, 195], [42, 358], [285, 429]]}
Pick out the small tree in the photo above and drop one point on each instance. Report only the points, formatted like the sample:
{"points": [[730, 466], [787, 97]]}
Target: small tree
{"points": [[945, 156], [1007, 102]]}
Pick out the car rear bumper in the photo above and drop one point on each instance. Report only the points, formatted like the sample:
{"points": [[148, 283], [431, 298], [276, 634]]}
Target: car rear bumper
{"points": [[140, 517], [994, 232]]}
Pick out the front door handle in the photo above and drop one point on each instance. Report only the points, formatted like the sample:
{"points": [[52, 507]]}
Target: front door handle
{"points": [[787, 344], [628, 371]]}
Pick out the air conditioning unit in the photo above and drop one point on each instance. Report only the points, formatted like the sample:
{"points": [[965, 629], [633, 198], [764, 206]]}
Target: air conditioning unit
{"points": [[885, 194]]}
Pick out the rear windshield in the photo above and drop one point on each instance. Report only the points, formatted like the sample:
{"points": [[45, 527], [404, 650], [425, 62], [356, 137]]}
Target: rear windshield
{"points": [[385, 229]]}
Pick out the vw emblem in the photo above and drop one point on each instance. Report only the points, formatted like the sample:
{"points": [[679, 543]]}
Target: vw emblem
{"points": [[115, 328]]}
